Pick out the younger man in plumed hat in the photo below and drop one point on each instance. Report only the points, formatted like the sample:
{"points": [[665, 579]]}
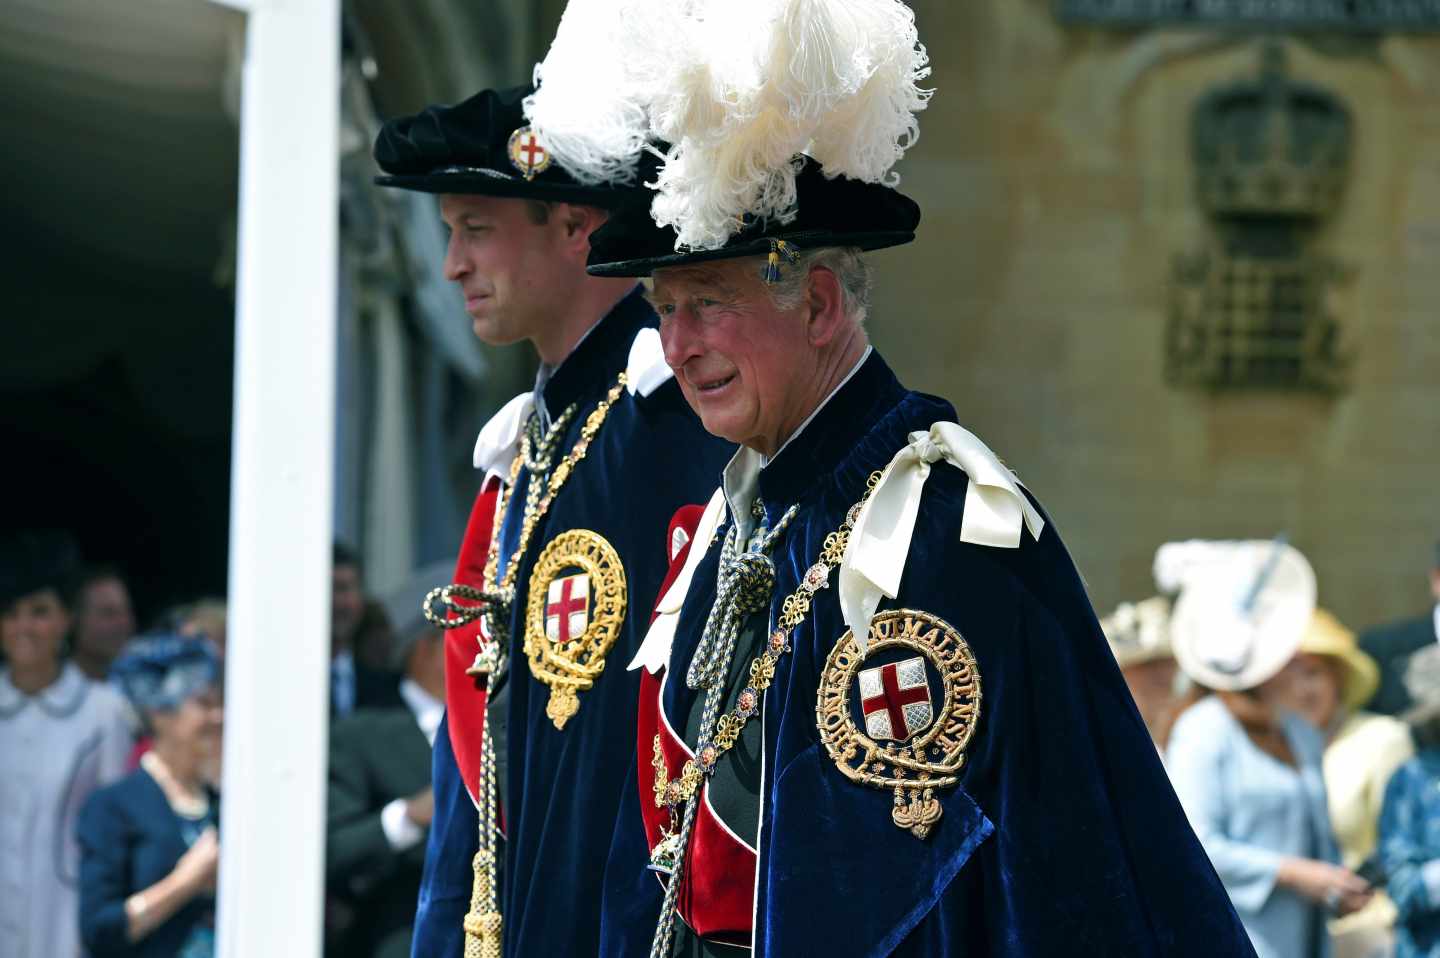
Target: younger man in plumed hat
{"points": [[877, 714], [565, 548]]}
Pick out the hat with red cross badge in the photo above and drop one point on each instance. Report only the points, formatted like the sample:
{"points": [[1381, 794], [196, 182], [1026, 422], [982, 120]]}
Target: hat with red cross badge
{"points": [[483, 145]]}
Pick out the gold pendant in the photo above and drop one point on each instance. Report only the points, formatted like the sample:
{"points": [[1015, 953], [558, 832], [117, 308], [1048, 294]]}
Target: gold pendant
{"points": [[907, 744], [575, 607], [666, 852]]}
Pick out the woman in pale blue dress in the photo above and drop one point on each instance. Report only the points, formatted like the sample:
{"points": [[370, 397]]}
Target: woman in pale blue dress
{"points": [[1247, 771]]}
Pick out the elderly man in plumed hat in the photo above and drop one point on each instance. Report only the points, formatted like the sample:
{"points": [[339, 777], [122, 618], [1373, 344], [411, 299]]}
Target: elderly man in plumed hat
{"points": [[878, 715], [565, 548]]}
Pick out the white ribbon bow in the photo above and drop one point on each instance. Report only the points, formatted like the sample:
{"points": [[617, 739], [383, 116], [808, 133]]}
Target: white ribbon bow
{"points": [[499, 440], [996, 511]]}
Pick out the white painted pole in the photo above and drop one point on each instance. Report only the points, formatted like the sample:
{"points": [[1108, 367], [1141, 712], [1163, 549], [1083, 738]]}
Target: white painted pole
{"points": [[277, 664]]}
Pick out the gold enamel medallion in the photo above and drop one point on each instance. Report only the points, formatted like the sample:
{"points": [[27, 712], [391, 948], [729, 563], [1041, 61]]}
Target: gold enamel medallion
{"points": [[878, 719], [528, 153], [573, 615]]}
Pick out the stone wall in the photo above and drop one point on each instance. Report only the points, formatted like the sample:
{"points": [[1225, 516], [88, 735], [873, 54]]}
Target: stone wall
{"points": [[1054, 170]]}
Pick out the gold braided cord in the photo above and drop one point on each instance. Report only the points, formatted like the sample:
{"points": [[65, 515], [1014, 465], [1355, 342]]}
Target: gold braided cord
{"points": [[679, 795], [483, 923], [538, 497], [793, 610], [536, 505]]}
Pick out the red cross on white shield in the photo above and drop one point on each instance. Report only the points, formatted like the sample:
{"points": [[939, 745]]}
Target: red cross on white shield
{"points": [[567, 608], [528, 153], [896, 700], [532, 151]]}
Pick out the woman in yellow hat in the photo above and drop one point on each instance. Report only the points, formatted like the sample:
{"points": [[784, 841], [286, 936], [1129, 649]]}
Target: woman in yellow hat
{"points": [[1327, 682]]}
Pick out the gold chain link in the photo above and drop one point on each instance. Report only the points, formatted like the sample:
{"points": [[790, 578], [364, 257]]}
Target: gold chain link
{"points": [[762, 669], [536, 506], [483, 923]]}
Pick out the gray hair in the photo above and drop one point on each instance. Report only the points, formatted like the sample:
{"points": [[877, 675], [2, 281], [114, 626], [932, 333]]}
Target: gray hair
{"points": [[849, 267]]}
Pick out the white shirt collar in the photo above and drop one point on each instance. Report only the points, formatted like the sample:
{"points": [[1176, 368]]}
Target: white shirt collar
{"points": [[58, 699], [741, 477], [1437, 621], [427, 709]]}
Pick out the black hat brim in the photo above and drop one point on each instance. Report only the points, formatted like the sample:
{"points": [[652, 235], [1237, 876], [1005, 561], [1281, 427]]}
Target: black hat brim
{"points": [[800, 241], [491, 183], [829, 212]]}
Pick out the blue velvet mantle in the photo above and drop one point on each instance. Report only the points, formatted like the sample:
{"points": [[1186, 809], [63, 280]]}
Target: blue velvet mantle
{"points": [[1063, 837], [565, 786]]}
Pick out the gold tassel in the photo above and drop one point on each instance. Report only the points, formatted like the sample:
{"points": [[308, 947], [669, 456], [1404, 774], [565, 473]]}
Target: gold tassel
{"points": [[779, 251], [482, 927]]}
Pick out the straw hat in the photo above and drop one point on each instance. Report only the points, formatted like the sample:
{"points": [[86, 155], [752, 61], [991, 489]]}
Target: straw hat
{"points": [[1326, 636], [1139, 632], [1242, 611]]}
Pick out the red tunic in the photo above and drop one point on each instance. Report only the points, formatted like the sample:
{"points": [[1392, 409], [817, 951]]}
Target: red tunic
{"points": [[464, 696]]}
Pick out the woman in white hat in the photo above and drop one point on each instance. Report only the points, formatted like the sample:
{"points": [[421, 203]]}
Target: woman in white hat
{"points": [[1328, 682], [1248, 771]]}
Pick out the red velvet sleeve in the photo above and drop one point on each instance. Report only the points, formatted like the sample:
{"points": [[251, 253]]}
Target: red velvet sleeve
{"points": [[464, 695]]}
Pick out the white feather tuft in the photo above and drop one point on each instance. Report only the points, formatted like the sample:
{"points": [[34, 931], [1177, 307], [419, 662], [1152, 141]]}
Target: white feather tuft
{"points": [[740, 90], [587, 108]]}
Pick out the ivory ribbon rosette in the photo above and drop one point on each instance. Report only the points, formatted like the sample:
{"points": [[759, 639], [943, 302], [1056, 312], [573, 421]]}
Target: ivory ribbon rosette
{"points": [[996, 513]]}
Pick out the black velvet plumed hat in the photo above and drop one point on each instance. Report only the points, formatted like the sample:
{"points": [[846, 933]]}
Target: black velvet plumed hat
{"points": [[482, 146], [828, 212]]}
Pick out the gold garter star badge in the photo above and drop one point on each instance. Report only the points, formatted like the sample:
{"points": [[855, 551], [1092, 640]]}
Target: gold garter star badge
{"points": [[573, 616], [907, 744]]}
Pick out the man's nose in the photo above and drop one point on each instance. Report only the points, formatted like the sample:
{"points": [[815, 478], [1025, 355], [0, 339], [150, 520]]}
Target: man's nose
{"points": [[456, 266], [678, 339]]}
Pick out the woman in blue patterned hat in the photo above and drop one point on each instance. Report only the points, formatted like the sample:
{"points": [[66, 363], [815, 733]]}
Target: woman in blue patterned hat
{"points": [[1410, 817], [149, 845]]}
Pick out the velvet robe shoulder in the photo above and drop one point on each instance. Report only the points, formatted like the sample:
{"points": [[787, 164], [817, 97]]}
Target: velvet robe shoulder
{"points": [[564, 789], [1063, 836]]}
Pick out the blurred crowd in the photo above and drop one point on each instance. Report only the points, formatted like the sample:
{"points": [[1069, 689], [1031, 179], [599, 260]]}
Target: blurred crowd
{"points": [[1307, 760], [110, 758]]}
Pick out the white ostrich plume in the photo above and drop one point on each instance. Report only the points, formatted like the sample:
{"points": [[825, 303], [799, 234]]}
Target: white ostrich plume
{"points": [[736, 90]]}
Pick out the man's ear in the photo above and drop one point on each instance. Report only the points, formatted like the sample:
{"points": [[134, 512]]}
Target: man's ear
{"points": [[578, 222], [824, 304]]}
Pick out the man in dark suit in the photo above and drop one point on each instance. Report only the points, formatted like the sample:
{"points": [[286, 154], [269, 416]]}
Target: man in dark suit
{"points": [[1392, 645], [380, 808]]}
